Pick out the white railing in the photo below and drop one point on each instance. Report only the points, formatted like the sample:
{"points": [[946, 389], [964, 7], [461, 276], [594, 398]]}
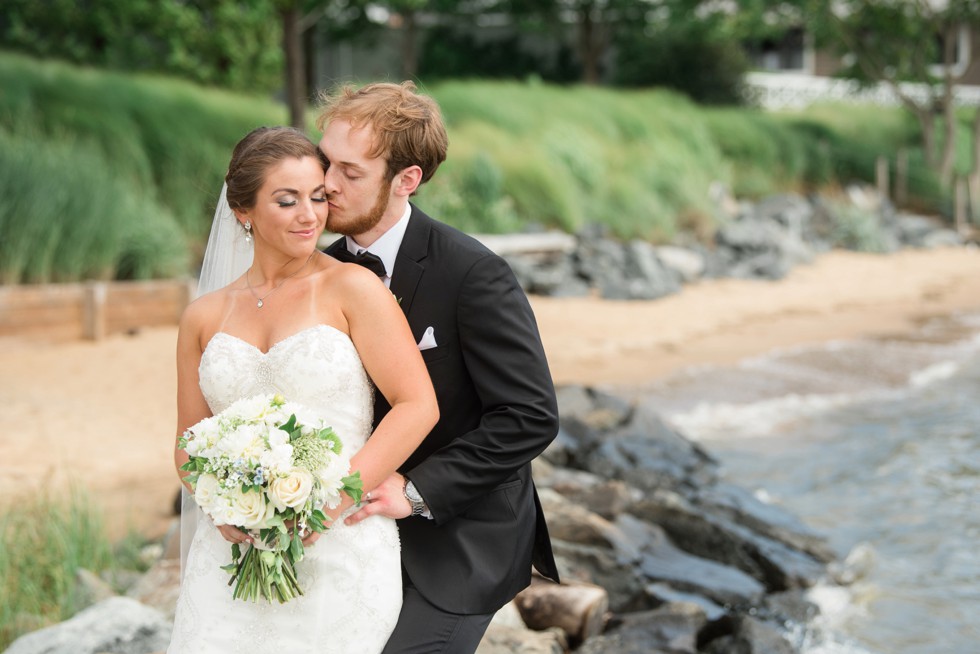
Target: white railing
{"points": [[795, 91]]}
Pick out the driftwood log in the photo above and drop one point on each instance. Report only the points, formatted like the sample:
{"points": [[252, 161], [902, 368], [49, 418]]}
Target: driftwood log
{"points": [[578, 608]]}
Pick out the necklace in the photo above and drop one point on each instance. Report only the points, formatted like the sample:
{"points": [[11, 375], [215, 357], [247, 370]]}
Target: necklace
{"points": [[260, 301]]}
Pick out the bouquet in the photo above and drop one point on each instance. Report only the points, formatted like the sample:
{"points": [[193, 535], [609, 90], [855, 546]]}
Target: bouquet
{"points": [[267, 466]]}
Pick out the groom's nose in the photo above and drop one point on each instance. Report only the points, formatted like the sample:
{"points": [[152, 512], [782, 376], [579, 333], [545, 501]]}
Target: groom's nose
{"points": [[329, 181]]}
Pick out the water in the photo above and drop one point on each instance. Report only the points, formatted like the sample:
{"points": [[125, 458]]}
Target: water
{"points": [[875, 443]]}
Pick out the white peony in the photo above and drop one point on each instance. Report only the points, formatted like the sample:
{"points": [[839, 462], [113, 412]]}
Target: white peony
{"points": [[277, 460], [246, 442], [331, 474]]}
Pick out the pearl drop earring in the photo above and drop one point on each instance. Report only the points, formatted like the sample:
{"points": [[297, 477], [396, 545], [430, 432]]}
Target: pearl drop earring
{"points": [[248, 231]]}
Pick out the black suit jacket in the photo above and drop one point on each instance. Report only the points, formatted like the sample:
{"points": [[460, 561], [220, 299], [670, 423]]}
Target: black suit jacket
{"points": [[497, 412]]}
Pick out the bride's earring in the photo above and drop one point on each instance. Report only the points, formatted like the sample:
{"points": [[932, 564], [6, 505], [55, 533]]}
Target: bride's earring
{"points": [[248, 231]]}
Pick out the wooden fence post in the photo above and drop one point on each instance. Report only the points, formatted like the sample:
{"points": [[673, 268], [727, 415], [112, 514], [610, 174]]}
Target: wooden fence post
{"points": [[881, 176], [94, 314], [902, 177], [959, 205], [973, 191]]}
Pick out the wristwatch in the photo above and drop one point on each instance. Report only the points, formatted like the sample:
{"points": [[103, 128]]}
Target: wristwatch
{"points": [[414, 497]]}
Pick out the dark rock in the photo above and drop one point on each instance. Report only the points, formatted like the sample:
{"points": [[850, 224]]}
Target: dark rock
{"points": [[608, 498], [693, 528], [649, 278], [664, 594], [661, 560], [600, 566], [648, 454], [751, 637], [671, 629], [769, 520], [574, 523]]}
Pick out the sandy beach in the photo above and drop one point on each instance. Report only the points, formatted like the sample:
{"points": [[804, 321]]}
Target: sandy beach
{"points": [[99, 416]]}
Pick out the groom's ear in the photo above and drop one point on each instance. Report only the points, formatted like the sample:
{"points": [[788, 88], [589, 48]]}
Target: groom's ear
{"points": [[407, 181]]}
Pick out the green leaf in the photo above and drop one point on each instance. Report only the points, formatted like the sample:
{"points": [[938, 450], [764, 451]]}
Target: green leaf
{"points": [[317, 521], [296, 547], [330, 436], [289, 426], [354, 486]]}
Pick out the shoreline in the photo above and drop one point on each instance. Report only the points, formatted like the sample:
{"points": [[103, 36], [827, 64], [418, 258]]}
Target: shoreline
{"points": [[840, 296], [101, 415]]}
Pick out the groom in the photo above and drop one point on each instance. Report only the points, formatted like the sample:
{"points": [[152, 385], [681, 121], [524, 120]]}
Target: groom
{"points": [[470, 521]]}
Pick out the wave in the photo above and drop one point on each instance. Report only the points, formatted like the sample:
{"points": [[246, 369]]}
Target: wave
{"points": [[763, 394]]}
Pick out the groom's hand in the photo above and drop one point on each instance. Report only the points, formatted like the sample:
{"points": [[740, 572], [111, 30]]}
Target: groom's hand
{"points": [[387, 499]]}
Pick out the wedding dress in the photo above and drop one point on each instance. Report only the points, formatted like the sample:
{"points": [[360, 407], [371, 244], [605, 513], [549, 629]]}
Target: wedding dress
{"points": [[351, 577]]}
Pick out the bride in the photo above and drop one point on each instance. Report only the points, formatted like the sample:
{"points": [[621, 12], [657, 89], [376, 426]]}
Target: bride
{"points": [[289, 319]]}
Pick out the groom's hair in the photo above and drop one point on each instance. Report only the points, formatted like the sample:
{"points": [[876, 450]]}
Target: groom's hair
{"points": [[408, 127], [259, 151]]}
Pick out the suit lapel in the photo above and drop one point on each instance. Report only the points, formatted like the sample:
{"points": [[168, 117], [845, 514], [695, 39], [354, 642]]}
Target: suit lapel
{"points": [[335, 247], [408, 264]]}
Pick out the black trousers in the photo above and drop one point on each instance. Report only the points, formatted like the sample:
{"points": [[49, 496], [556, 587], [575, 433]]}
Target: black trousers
{"points": [[425, 629]]}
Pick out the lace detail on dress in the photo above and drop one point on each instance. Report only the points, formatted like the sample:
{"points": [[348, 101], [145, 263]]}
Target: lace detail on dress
{"points": [[351, 577]]}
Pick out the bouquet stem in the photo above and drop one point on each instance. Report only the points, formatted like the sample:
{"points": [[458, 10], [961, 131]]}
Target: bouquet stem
{"points": [[264, 573]]}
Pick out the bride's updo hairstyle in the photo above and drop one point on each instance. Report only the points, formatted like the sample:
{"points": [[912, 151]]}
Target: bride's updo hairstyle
{"points": [[256, 154]]}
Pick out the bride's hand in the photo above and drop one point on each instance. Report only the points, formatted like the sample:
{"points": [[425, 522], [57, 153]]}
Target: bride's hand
{"points": [[234, 534], [387, 499], [311, 537]]}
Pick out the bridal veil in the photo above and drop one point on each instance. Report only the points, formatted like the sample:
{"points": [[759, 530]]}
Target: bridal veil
{"points": [[227, 256]]}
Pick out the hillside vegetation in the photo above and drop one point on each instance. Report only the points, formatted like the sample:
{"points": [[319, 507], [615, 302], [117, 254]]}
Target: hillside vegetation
{"points": [[107, 175]]}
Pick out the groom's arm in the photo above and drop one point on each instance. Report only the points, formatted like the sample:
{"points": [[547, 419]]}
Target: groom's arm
{"points": [[504, 357]]}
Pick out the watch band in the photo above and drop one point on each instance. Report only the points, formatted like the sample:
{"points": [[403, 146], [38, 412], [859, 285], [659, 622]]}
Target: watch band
{"points": [[414, 497]]}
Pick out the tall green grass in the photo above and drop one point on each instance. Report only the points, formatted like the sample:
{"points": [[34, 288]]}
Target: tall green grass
{"points": [[108, 175], [168, 139], [64, 216], [43, 543], [565, 157]]}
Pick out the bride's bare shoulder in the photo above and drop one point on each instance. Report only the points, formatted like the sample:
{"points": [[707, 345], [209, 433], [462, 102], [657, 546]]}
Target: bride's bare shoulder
{"points": [[203, 311]]}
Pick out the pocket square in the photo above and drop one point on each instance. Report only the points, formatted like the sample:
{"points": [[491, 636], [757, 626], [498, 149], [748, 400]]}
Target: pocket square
{"points": [[428, 340]]}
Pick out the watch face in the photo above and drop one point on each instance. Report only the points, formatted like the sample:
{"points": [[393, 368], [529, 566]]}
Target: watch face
{"points": [[411, 493]]}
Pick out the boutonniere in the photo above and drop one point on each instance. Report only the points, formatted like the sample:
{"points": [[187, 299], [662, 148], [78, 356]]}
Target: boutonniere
{"points": [[397, 299]]}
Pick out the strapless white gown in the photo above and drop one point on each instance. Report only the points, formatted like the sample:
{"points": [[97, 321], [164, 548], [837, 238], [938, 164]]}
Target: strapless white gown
{"points": [[351, 577]]}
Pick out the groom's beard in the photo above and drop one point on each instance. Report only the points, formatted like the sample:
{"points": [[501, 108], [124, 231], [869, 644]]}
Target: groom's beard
{"points": [[366, 221]]}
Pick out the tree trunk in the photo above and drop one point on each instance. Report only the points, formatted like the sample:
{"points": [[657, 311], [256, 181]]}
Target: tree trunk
{"points": [[409, 63], [974, 176], [948, 107], [292, 43], [928, 126], [588, 46]]}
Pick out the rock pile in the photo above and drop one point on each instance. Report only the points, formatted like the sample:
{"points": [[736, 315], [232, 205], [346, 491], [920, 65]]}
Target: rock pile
{"points": [[762, 240]]}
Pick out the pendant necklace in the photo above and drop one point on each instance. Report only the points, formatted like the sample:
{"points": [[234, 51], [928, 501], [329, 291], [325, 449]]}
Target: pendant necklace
{"points": [[260, 301]]}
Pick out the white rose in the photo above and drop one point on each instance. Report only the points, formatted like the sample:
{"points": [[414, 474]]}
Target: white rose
{"points": [[206, 491], [250, 509], [292, 490]]}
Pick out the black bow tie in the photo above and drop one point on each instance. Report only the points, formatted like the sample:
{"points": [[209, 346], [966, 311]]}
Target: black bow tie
{"points": [[363, 258]]}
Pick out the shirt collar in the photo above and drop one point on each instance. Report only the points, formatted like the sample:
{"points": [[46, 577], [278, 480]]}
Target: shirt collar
{"points": [[386, 247]]}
